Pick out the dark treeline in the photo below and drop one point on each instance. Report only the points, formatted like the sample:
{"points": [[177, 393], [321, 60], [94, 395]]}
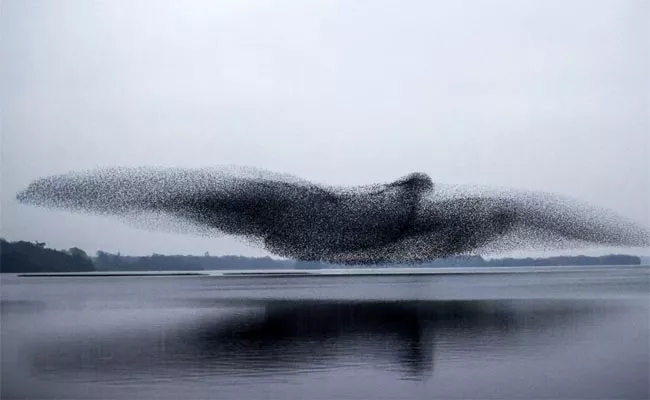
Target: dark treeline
{"points": [[23, 256], [157, 262], [477, 261], [35, 257]]}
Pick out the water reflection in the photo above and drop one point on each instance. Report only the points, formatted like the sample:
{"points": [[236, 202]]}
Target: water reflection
{"points": [[301, 336], [291, 337]]}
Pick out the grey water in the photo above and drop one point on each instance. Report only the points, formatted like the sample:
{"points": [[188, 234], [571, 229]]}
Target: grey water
{"points": [[580, 333]]}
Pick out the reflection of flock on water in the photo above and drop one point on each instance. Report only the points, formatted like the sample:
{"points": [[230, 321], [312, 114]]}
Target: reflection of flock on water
{"points": [[291, 337]]}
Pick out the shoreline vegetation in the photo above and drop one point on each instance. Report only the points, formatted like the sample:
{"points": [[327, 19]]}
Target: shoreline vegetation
{"points": [[34, 257]]}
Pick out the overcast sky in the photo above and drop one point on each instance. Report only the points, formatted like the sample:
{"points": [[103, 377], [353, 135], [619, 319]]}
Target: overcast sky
{"points": [[542, 95]]}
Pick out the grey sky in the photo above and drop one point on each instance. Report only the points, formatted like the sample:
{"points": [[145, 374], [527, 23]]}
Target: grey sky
{"points": [[541, 95]]}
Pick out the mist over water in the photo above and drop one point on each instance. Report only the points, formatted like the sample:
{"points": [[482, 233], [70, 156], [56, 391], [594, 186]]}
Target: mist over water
{"points": [[393, 337]]}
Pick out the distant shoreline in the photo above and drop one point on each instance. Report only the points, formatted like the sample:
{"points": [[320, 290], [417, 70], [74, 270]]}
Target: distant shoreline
{"points": [[348, 272], [26, 257]]}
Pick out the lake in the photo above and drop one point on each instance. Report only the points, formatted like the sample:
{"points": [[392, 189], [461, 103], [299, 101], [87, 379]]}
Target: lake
{"points": [[508, 333]]}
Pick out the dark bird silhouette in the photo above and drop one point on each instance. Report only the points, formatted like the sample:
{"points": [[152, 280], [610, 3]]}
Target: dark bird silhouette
{"points": [[408, 220]]}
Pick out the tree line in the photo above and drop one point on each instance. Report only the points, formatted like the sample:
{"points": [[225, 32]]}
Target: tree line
{"points": [[16, 257], [24, 257]]}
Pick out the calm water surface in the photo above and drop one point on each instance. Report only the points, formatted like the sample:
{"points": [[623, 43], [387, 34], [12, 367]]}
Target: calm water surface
{"points": [[557, 334]]}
